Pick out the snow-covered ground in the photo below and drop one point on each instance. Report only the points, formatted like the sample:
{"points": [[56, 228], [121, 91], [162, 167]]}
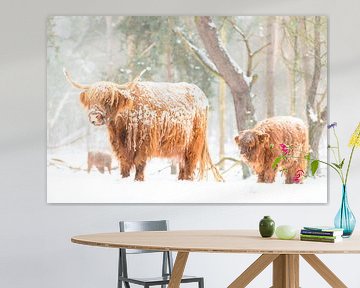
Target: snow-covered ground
{"points": [[66, 185]]}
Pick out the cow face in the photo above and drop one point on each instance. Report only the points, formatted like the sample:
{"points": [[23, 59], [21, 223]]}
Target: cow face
{"points": [[103, 101], [250, 143]]}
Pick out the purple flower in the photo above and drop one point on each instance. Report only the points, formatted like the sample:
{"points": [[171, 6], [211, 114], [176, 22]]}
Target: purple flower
{"points": [[284, 149], [332, 125], [298, 176]]}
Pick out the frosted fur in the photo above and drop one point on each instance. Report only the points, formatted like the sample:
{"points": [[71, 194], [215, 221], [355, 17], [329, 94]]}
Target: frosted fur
{"points": [[261, 145], [148, 119], [166, 106]]}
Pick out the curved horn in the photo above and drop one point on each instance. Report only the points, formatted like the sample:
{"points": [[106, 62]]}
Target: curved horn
{"points": [[137, 78], [73, 83]]}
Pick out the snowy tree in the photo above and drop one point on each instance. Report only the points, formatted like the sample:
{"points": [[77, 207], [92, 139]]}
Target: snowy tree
{"points": [[234, 76], [316, 106]]}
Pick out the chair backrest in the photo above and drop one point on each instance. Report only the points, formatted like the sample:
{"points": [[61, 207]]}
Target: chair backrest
{"points": [[135, 226]]}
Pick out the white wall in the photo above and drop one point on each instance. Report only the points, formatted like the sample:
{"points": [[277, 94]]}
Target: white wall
{"points": [[35, 248]]}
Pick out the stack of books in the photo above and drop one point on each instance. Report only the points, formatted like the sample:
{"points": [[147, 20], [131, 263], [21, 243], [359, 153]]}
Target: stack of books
{"points": [[321, 234]]}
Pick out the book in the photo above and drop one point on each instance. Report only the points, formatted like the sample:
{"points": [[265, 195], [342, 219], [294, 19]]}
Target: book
{"points": [[325, 240], [321, 233], [319, 236], [323, 228]]}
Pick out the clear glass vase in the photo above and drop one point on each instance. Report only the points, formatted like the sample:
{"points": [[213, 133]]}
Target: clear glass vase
{"points": [[345, 219]]}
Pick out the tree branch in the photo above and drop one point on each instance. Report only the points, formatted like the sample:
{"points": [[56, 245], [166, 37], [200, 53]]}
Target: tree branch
{"points": [[200, 55]]}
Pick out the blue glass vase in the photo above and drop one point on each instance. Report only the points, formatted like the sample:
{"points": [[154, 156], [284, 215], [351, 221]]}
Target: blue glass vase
{"points": [[345, 219]]}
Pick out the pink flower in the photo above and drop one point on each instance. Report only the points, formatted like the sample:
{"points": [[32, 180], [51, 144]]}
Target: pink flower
{"points": [[298, 176], [284, 148]]}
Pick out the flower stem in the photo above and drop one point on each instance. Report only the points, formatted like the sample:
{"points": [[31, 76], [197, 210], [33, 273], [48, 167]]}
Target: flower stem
{"points": [[336, 169], [339, 155], [348, 167], [350, 159], [323, 162], [338, 145]]}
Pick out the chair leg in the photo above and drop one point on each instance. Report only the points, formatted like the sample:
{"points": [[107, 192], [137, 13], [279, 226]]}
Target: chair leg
{"points": [[201, 283]]}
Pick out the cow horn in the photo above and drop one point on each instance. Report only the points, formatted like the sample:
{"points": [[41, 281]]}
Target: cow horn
{"points": [[73, 83], [133, 82], [137, 78]]}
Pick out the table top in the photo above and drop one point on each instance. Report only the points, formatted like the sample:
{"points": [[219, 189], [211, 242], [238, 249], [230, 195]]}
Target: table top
{"points": [[216, 241]]}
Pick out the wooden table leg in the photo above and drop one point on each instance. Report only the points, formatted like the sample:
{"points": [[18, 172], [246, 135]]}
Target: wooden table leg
{"points": [[323, 270], [178, 270], [286, 271], [253, 270]]}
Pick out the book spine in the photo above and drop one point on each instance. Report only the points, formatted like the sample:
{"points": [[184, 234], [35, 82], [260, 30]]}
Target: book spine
{"points": [[318, 236], [320, 233], [317, 239]]}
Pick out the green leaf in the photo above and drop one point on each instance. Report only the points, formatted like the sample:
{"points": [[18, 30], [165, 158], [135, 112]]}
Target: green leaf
{"points": [[307, 157], [272, 146], [339, 166], [314, 166], [342, 163], [336, 165], [276, 162]]}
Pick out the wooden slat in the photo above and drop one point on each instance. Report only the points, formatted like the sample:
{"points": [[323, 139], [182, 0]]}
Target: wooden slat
{"points": [[279, 270], [178, 269], [253, 270], [286, 271], [293, 270], [324, 271]]}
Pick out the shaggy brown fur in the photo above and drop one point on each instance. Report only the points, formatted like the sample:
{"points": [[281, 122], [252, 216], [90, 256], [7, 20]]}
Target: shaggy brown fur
{"points": [[100, 160], [147, 119], [256, 147]]}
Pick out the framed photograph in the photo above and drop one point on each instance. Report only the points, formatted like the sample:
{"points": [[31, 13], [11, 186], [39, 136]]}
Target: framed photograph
{"points": [[184, 109]]}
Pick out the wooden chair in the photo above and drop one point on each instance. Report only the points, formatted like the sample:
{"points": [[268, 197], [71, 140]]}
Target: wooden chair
{"points": [[167, 262]]}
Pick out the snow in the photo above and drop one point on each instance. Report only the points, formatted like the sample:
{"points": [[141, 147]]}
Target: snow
{"points": [[212, 25], [313, 116], [203, 56], [65, 186], [73, 186]]}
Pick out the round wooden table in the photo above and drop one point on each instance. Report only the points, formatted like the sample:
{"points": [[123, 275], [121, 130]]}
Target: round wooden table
{"points": [[284, 254]]}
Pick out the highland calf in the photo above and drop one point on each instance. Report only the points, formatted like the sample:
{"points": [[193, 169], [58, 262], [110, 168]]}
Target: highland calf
{"points": [[100, 160], [148, 119], [261, 145]]}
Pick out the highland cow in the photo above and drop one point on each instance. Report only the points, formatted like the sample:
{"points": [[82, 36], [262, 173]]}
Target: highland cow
{"points": [[149, 119], [100, 160], [261, 145]]}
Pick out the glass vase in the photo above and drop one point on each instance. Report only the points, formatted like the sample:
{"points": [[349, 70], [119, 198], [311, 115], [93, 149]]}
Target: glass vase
{"points": [[345, 219]]}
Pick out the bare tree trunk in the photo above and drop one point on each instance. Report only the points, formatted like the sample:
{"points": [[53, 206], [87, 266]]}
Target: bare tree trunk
{"points": [[270, 64], [231, 73], [316, 118], [131, 51], [222, 109], [294, 72], [305, 58], [109, 46]]}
